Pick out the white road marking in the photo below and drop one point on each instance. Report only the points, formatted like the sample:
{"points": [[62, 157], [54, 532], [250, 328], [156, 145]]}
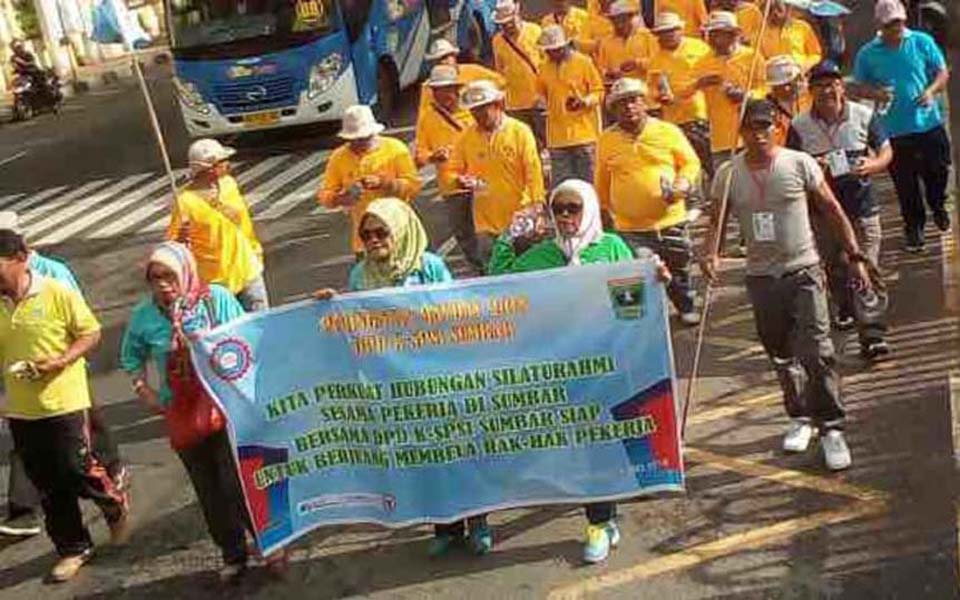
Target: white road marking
{"points": [[263, 192], [35, 198], [290, 201], [16, 156], [33, 214]]}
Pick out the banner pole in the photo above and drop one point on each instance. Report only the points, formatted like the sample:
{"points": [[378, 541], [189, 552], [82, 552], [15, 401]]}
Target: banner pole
{"points": [[155, 123], [717, 242]]}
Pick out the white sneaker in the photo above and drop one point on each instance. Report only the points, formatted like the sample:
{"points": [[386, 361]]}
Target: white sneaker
{"points": [[690, 318], [836, 453], [798, 437]]}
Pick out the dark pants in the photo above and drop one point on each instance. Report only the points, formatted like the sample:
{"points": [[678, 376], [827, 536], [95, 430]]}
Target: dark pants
{"points": [[572, 162], [23, 498], [460, 216], [793, 322], [56, 454], [536, 120], [674, 246], [600, 512], [457, 529], [213, 473], [920, 157], [698, 133]]}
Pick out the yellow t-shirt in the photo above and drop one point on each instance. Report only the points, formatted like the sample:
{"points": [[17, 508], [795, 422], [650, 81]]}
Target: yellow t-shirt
{"points": [[629, 169], [599, 27], [613, 51], [509, 164], [227, 252], [693, 13], [390, 158], [466, 73], [576, 76], [724, 114], [438, 129], [797, 39], [44, 325], [519, 73], [679, 68], [749, 18], [576, 24]]}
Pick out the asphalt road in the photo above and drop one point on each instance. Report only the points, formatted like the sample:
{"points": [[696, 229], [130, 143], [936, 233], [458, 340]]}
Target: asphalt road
{"points": [[754, 522]]}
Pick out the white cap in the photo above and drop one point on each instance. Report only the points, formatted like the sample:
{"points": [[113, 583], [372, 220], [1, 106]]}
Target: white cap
{"points": [[207, 152], [721, 20], [439, 48], [359, 123], [667, 21], [504, 11], [479, 93], [443, 75], [553, 37], [9, 220], [782, 69], [626, 87], [887, 11], [622, 7]]}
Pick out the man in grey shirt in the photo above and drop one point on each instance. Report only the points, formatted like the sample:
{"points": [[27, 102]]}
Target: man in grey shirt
{"points": [[769, 189]]}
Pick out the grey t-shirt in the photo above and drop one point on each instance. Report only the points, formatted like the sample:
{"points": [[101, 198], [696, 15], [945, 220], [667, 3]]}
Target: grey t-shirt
{"points": [[771, 206]]}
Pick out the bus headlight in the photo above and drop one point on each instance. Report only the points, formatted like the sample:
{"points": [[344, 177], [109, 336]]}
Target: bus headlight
{"points": [[324, 74], [190, 96]]}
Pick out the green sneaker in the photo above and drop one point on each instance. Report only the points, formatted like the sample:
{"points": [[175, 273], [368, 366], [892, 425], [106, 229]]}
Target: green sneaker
{"points": [[481, 539], [439, 545]]}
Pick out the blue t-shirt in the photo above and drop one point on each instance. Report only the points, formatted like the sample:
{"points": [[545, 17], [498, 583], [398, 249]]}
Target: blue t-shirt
{"points": [[433, 270], [54, 269], [149, 332], [909, 70]]}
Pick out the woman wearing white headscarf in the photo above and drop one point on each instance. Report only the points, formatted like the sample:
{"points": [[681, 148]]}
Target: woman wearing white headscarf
{"points": [[579, 239]]}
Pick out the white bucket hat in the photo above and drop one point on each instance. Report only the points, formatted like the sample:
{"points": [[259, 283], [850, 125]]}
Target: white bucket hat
{"points": [[504, 11], [625, 87], [553, 38], [667, 21], [359, 123], [205, 153], [479, 93], [622, 7], [443, 76], [782, 69], [439, 48], [722, 20], [10, 220]]}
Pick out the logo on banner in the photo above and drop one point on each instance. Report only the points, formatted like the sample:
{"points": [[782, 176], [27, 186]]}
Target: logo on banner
{"points": [[231, 359], [627, 297]]}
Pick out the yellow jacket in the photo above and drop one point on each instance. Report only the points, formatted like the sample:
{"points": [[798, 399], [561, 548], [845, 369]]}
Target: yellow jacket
{"points": [[574, 77], [519, 71], [436, 129]]}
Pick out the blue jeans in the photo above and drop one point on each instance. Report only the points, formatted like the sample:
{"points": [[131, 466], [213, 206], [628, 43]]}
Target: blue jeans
{"points": [[253, 297], [572, 162]]}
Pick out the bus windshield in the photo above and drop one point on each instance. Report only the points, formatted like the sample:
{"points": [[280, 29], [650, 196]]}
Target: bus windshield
{"points": [[208, 24]]}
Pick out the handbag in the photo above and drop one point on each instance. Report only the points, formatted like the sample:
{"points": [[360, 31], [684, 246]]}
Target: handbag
{"points": [[192, 416]]}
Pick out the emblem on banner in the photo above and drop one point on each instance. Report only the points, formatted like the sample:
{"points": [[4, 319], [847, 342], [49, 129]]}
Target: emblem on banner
{"points": [[627, 297], [231, 359]]}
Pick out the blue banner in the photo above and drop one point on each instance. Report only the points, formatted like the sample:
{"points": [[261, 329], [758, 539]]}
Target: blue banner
{"points": [[427, 404]]}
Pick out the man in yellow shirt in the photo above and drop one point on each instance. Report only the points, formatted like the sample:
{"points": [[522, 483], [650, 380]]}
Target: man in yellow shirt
{"points": [[672, 82], [574, 21], [438, 131], [442, 52], [517, 57], [693, 13], [786, 34], [627, 51], [749, 17], [599, 25], [496, 160], [573, 90], [645, 170], [725, 78], [212, 218], [368, 166], [45, 331]]}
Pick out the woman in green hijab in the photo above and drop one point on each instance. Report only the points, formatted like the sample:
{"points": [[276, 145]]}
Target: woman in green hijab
{"points": [[395, 255]]}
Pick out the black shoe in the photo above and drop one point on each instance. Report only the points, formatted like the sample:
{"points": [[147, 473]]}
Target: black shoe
{"points": [[845, 323], [942, 220], [875, 349], [24, 525], [914, 241]]}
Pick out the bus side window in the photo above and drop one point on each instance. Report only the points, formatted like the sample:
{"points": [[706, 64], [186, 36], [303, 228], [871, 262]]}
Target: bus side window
{"points": [[355, 15]]}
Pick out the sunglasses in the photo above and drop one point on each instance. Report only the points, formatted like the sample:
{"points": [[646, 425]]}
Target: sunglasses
{"points": [[566, 208], [379, 233]]}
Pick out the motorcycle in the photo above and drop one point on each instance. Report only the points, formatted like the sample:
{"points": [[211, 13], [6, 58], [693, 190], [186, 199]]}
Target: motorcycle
{"points": [[36, 92]]}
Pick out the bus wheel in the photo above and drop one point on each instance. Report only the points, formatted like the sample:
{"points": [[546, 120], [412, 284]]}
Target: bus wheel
{"points": [[387, 92]]}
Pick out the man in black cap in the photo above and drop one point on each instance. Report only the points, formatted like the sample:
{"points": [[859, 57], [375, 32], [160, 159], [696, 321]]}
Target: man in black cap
{"points": [[851, 145], [767, 189]]}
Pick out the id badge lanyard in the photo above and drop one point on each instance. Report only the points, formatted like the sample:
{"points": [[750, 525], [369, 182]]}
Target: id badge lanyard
{"points": [[764, 221]]}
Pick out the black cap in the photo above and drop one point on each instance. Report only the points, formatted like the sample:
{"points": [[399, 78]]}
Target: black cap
{"points": [[759, 112], [825, 69]]}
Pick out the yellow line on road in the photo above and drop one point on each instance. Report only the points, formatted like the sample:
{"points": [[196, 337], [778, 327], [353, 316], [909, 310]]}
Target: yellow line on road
{"points": [[790, 477], [705, 552], [735, 408]]}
